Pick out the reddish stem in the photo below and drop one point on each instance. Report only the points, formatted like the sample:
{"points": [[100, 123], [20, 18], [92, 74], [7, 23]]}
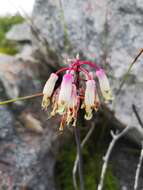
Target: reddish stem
{"points": [[74, 65], [91, 64], [62, 70]]}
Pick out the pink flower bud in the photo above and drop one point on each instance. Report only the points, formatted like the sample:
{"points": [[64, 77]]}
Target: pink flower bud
{"points": [[104, 85]]}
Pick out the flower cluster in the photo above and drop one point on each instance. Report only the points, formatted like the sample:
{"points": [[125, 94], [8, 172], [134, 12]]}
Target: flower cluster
{"points": [[77, 91]]}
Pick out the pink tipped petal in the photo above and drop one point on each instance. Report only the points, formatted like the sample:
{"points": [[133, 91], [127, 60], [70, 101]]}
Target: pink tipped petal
{"points": [[65, 93], [66, 88], [104, 85]]}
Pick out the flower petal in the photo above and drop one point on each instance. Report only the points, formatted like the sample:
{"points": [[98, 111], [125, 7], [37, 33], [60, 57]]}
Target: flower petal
{"points": [[48, 90], [104, 85], [65, 93], [89, 99], [50, 85]]}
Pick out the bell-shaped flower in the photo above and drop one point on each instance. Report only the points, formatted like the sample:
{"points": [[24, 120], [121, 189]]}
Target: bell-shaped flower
{"points": [[48, 90], [89, 99], [65, 93], [104, 85]]}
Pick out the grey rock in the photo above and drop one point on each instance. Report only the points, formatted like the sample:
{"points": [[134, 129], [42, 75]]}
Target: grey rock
{"points": [[26, 53], [125, 158], [108, 31], [20, 33], [27, 159], [28, 165], [77, 25], [6, 124], [7, 77], [33, 165], [14, 73]]}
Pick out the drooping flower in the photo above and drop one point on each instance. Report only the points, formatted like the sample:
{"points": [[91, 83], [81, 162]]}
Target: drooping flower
{"points": [[65, 93], [77, 85], [104, 85], [91, 100], [73, 107], [48, 90]]}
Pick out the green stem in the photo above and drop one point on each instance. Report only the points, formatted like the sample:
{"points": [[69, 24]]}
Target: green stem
{"points": [[21, 98]]}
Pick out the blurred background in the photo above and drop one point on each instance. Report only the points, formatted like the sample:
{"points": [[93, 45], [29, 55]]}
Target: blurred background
{"points": [[10, 7], [35, 38]]}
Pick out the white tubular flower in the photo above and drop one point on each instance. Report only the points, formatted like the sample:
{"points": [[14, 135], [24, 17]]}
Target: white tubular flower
{"points": [[104, 85], [48, 90], [72, 106], [89, 99], [65, 93]]}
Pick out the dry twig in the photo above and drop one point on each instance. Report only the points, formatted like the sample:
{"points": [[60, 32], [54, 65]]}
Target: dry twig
{"points": [[138, 169], [116, 137], [136, 183]]}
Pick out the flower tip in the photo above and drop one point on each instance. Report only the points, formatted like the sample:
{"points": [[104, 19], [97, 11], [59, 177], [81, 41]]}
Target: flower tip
{"points": [[62, 124], [107, 94], [104, 85], [100, 72], [61, 129], [45, 102], [61, 108], [68, 76], [54, 76], [88, 115]]}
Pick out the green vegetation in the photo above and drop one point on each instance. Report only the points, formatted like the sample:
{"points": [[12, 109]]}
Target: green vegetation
{"points": [[6, 23], [92, 157]]}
